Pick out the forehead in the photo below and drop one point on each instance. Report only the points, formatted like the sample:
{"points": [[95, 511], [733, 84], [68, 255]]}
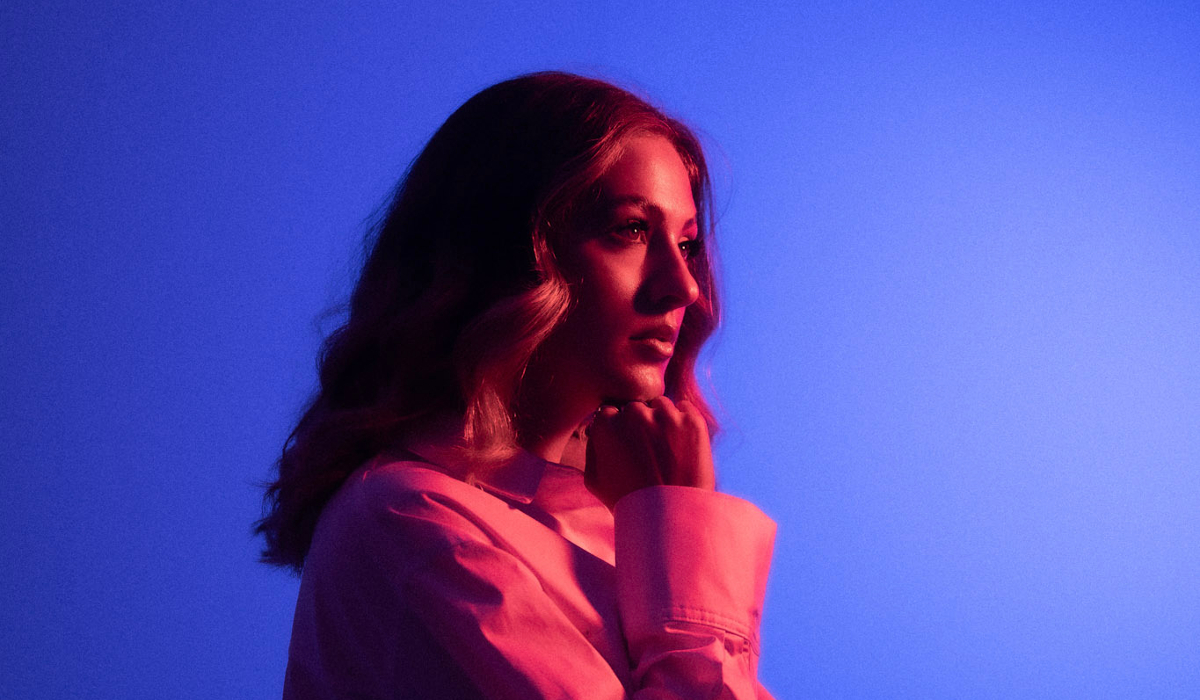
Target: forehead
{"points": [[649, 169]]}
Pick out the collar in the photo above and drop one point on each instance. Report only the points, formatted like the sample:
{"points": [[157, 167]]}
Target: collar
{"points": [[516, 479]]}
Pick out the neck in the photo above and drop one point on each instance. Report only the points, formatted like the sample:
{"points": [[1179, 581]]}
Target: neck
{"points": [[551, 427], [555, 438]]}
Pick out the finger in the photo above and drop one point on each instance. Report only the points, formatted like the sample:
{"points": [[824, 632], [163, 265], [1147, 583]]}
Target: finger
{"points": [[692, 415], [636, 410], [663, 401], [603, 416], [663, 406]]}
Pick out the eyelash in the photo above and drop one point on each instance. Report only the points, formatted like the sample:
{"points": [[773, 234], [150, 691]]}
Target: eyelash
{"points": [[637, 231]]}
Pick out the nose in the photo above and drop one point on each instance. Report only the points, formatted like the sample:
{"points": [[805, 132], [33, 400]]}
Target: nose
{"points": [[669, 282]]}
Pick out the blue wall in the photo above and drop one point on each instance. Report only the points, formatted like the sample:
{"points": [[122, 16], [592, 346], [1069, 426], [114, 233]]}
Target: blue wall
{"points": [[961, 252]]}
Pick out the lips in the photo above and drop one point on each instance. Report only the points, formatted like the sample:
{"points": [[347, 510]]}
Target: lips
{"points": [[658, 341], [664, 333]]}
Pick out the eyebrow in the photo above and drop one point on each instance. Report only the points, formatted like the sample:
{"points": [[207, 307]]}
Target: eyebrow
{"points": [[642, 203]]}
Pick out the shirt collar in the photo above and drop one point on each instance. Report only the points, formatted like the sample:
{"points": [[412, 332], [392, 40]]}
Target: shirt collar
{"points": [[517, 479]]}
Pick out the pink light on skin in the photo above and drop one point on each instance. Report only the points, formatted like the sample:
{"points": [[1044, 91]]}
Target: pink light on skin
{"points": [[631, 284]]}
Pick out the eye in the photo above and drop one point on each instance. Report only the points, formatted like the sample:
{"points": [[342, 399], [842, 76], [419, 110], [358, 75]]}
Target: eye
{"points": [[633, 231], [690, 247]]}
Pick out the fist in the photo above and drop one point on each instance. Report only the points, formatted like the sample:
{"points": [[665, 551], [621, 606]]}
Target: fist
{"points": [[656, 443]]}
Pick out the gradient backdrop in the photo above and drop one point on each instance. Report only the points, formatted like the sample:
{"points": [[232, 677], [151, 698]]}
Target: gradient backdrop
{"points": [[961, 249]]}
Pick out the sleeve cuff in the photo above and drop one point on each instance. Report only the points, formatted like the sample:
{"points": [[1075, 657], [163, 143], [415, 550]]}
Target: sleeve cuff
{"points": [[691, 555]]}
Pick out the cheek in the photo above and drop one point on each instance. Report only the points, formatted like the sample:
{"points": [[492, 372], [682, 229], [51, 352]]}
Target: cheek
{"points": [[606, 295]]}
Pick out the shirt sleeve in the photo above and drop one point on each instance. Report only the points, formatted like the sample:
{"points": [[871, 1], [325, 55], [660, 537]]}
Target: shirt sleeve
{"points": [[691, 576]]}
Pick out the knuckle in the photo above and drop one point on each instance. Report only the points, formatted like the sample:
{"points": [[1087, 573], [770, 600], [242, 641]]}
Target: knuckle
{"points": [[637, 409]]}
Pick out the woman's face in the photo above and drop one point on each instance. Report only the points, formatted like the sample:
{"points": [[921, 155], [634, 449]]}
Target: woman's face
{"points": [[627, 263]]}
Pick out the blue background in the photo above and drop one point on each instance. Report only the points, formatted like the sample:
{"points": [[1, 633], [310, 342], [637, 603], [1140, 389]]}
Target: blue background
{"points": [[960, 248]]}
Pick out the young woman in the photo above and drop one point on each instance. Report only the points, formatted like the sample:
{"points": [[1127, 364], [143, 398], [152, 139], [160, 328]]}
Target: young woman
{"points": [[504, 487]]}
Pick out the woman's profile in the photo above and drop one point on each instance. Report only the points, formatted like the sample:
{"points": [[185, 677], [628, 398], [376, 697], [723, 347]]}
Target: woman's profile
{"points": [[504, 487]]}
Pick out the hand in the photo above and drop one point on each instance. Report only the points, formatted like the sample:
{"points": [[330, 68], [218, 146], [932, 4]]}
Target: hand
{"points": [[655, 443]]}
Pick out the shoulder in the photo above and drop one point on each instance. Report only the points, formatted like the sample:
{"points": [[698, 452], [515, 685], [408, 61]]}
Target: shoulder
{"points": [[401, 511], [383, 486]]}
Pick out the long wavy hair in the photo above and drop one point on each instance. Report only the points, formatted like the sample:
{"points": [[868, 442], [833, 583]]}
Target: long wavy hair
{"points": [[461, 286]]}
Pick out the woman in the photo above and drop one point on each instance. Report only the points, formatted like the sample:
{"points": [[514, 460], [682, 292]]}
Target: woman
{"points": [[504, 487]]}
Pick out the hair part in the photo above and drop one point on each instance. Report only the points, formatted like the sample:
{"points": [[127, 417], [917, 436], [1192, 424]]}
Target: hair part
{"points": [[461, 286]]}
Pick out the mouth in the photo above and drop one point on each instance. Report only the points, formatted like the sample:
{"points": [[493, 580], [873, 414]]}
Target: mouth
{"points": [[658, 341]]}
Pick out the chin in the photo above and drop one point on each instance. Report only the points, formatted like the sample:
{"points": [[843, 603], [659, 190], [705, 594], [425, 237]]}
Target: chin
{"points": [[639, 386]]}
